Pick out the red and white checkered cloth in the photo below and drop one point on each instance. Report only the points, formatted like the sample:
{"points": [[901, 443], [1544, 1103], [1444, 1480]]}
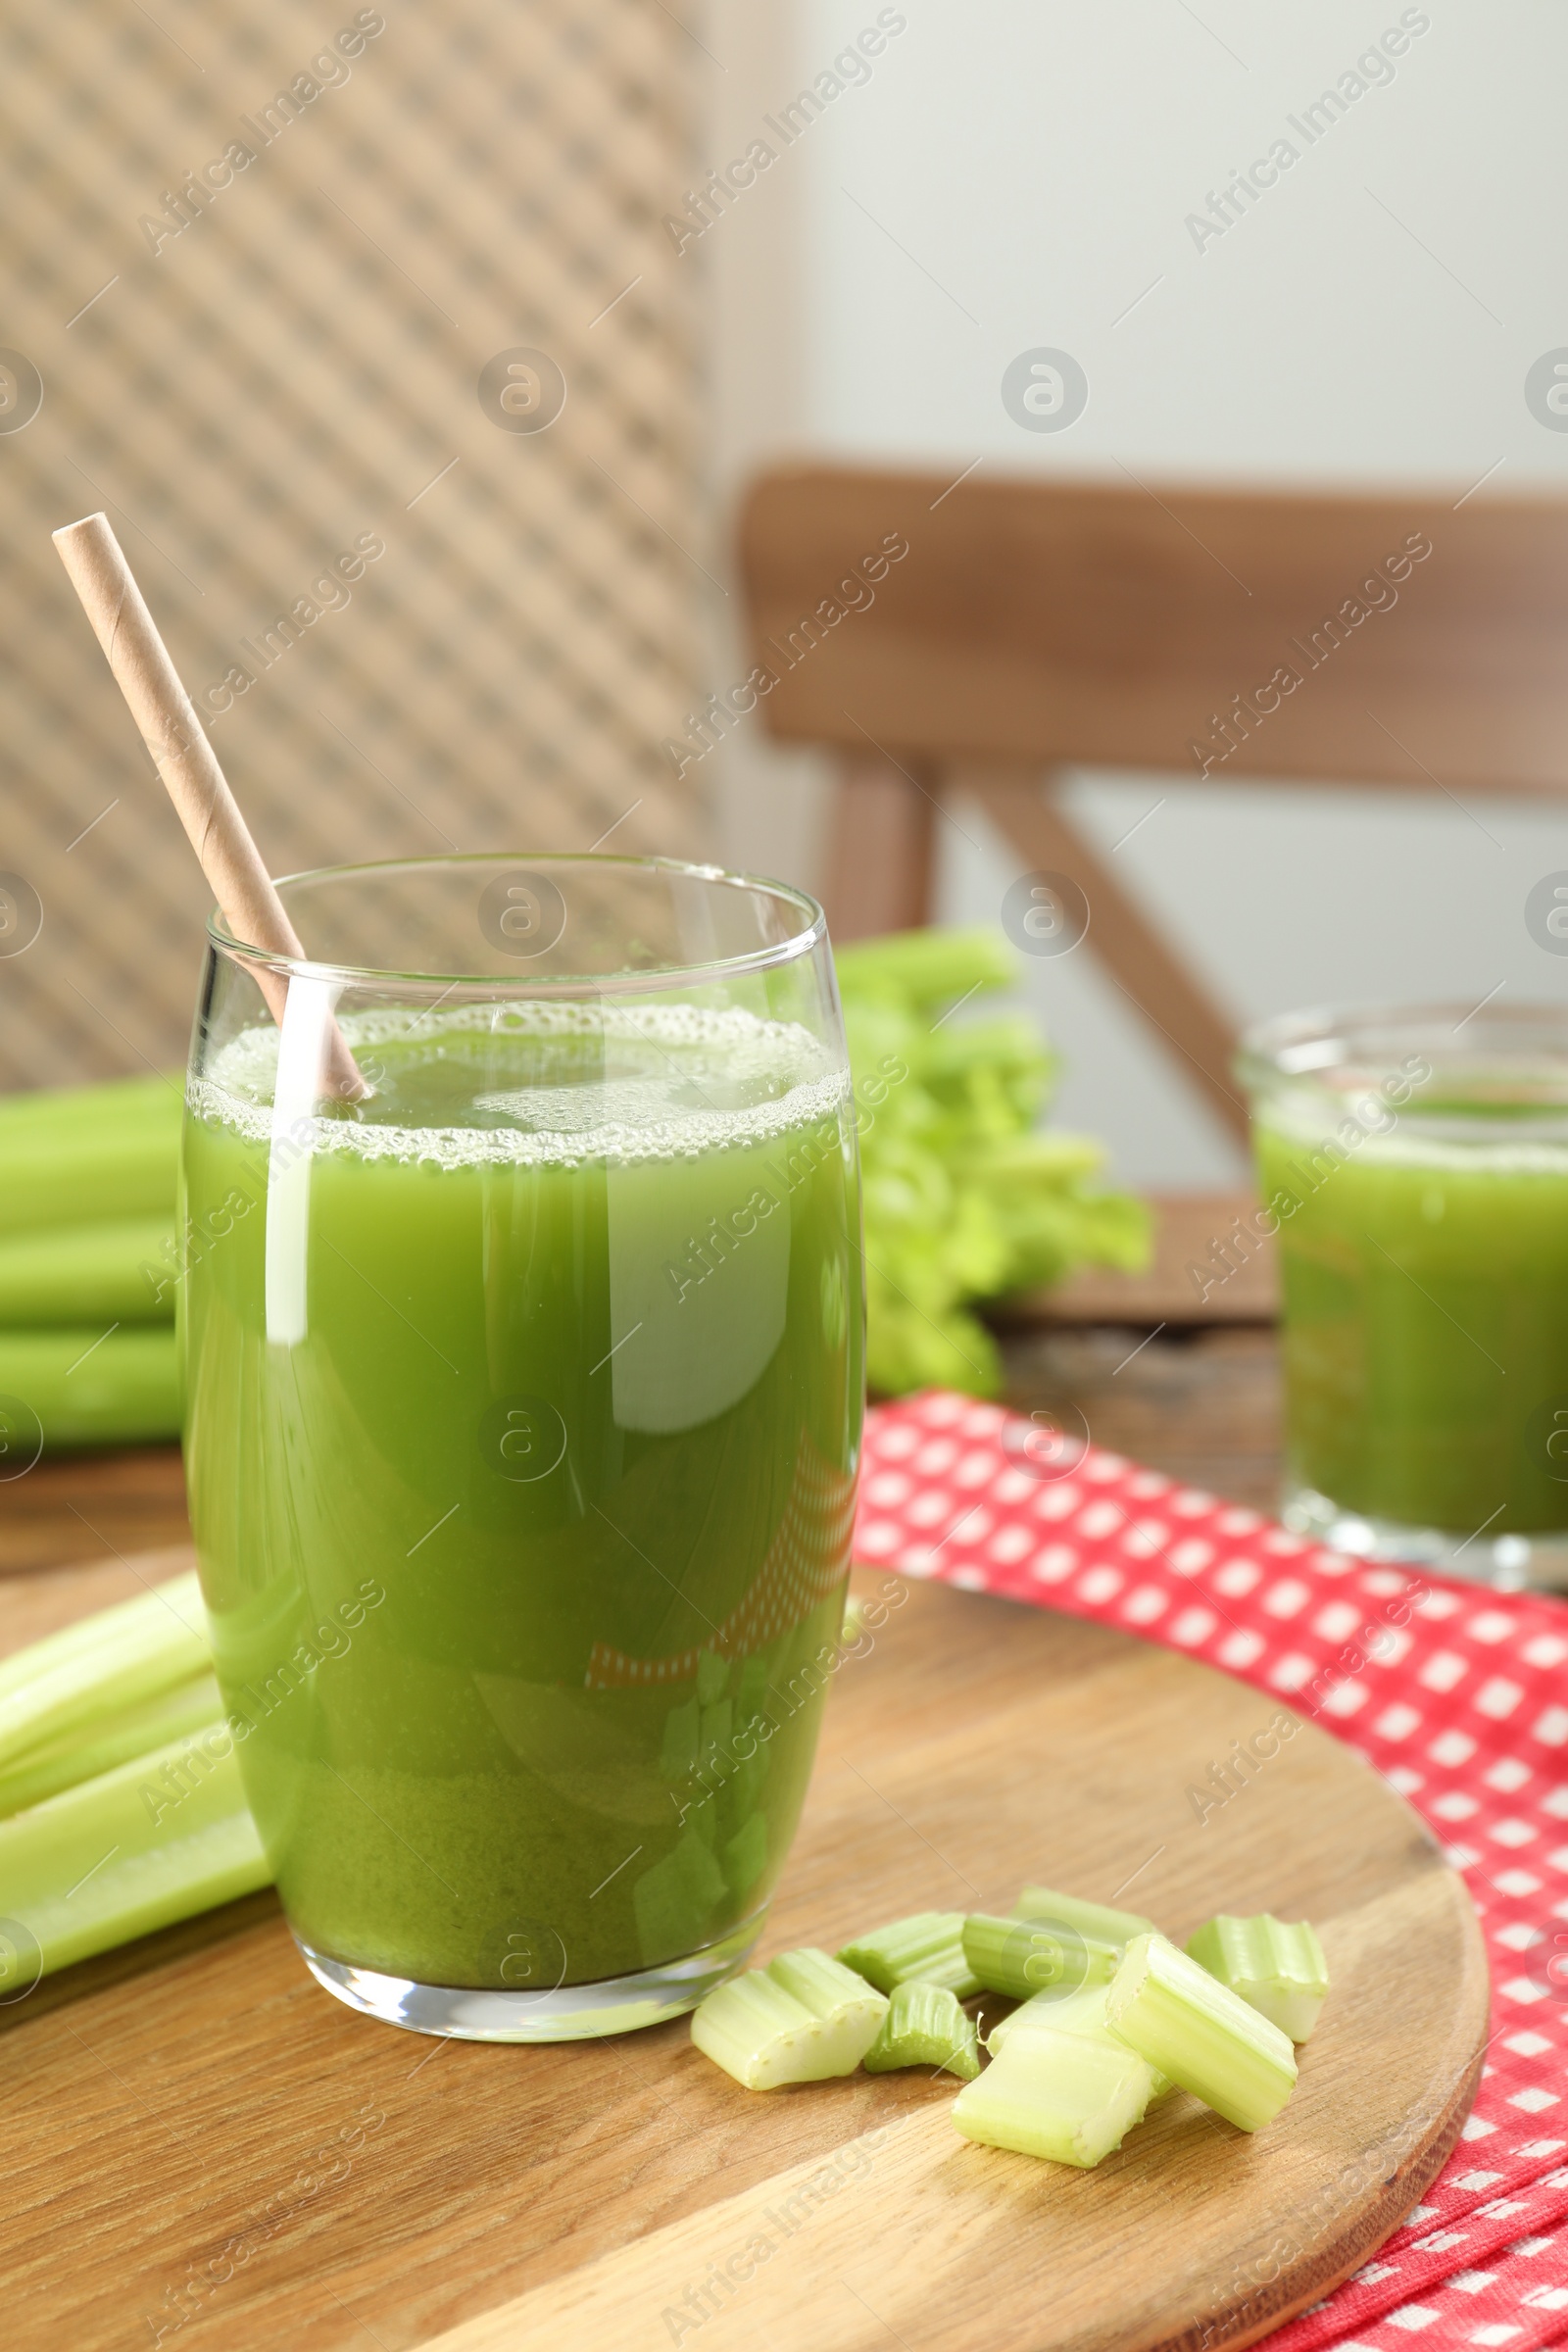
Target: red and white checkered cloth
{"points": [[1460, 1701]]}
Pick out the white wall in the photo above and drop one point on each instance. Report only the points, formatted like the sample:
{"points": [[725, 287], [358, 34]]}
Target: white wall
{"points": [[1016, 174]]}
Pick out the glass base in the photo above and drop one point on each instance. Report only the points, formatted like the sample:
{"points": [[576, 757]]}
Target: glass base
{"points": [[1507, 1563], [571, 2013]]}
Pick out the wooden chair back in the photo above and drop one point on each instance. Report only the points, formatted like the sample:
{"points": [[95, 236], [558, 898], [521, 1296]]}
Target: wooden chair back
{"points": [[977, 636]]}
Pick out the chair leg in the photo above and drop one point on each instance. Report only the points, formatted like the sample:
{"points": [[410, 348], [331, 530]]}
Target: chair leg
{"points": [[879, 863], [1139, 960]]}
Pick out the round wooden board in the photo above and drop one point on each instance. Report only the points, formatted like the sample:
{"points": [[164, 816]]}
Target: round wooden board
{"points": [[978, 1745], [626, 2197]]}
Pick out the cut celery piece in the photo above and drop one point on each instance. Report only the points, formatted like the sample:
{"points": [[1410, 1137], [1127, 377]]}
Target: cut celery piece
{"points": [[1276, 1966], [927, 1947], [1096, 1921], [91, 1868], [1102, 1934], [1081, 2013], [97, 1748], [1070, 2097], [924, 2026], [1022, 1957], [827, 1987], [1187, 2024], [803, 2019], [114, 1661]]}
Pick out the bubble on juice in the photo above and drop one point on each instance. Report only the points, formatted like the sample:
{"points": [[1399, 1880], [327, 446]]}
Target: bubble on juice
{"points": [[586, 1082]]}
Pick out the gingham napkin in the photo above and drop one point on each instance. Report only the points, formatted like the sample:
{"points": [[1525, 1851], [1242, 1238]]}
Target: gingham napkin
{"points": [[1459, 1697]]}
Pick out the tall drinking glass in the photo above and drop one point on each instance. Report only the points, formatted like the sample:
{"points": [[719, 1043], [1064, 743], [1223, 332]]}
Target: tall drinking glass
{"points": [[1413, 1161], [523, 1413]]}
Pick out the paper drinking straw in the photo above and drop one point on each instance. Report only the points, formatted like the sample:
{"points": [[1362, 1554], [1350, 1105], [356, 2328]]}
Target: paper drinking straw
{"points": [[183, 756]]}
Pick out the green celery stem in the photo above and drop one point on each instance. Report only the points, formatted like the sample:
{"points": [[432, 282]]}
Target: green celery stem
{"points": [[89, 1274], [925, 2025], [82, 1163], [126, 1655], [85, 1386], [156, 1841]]}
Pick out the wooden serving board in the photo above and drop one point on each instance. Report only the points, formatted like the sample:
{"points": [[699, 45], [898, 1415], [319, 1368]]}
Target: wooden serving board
{"points": [[201, 2142]]}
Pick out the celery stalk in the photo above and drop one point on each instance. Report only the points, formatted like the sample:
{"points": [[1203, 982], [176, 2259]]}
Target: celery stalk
{"points": [[92, 1868], [85, 1385], [1020, 1956], [97, 1747], [1276, 1966], [926, 967], [925, 2025], [928, 1946], [103, 1631], [89, 1273], [1066, 2097], [114, 1661], [802, 2019], [1187, 2024], [71, 1167], [110, 1102]]}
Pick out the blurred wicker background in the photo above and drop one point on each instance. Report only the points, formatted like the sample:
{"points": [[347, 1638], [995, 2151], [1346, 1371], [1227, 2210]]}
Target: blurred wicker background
{"points": [[297, 370]]}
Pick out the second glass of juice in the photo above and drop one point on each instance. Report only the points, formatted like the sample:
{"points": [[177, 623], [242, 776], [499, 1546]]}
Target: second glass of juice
{"points": [[1414, 1164], [523, 1412]]}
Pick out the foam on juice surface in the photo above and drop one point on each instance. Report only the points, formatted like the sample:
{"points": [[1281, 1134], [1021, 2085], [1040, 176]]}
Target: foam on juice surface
{"points": [[593, 1082]]}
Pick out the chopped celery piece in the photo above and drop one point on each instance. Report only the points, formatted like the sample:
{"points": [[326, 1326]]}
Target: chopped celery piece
{"points": [[114, 1661], [97, 1747], [1067, 2096], [1276, 1965], [924, 2026], [827, 1987], [1172, 2012], [1082, 2013], [1022, 1957], [803, 2019], [928, 1946], [91, 1868], [1094, 1936], [1096, 1922]]}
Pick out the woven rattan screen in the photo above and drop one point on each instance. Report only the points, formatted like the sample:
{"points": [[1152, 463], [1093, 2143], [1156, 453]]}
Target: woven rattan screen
{"points": [[302, 291]]}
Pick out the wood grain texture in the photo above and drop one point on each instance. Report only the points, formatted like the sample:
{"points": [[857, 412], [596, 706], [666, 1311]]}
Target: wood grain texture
{"points": [[331, 2184], [71, 1506], [1203, 1407], [1236, 1278], [1106, 624]]}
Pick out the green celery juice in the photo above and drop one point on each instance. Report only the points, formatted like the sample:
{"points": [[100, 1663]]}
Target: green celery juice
{"points": [[523, 1416], [1425, 1327]]}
